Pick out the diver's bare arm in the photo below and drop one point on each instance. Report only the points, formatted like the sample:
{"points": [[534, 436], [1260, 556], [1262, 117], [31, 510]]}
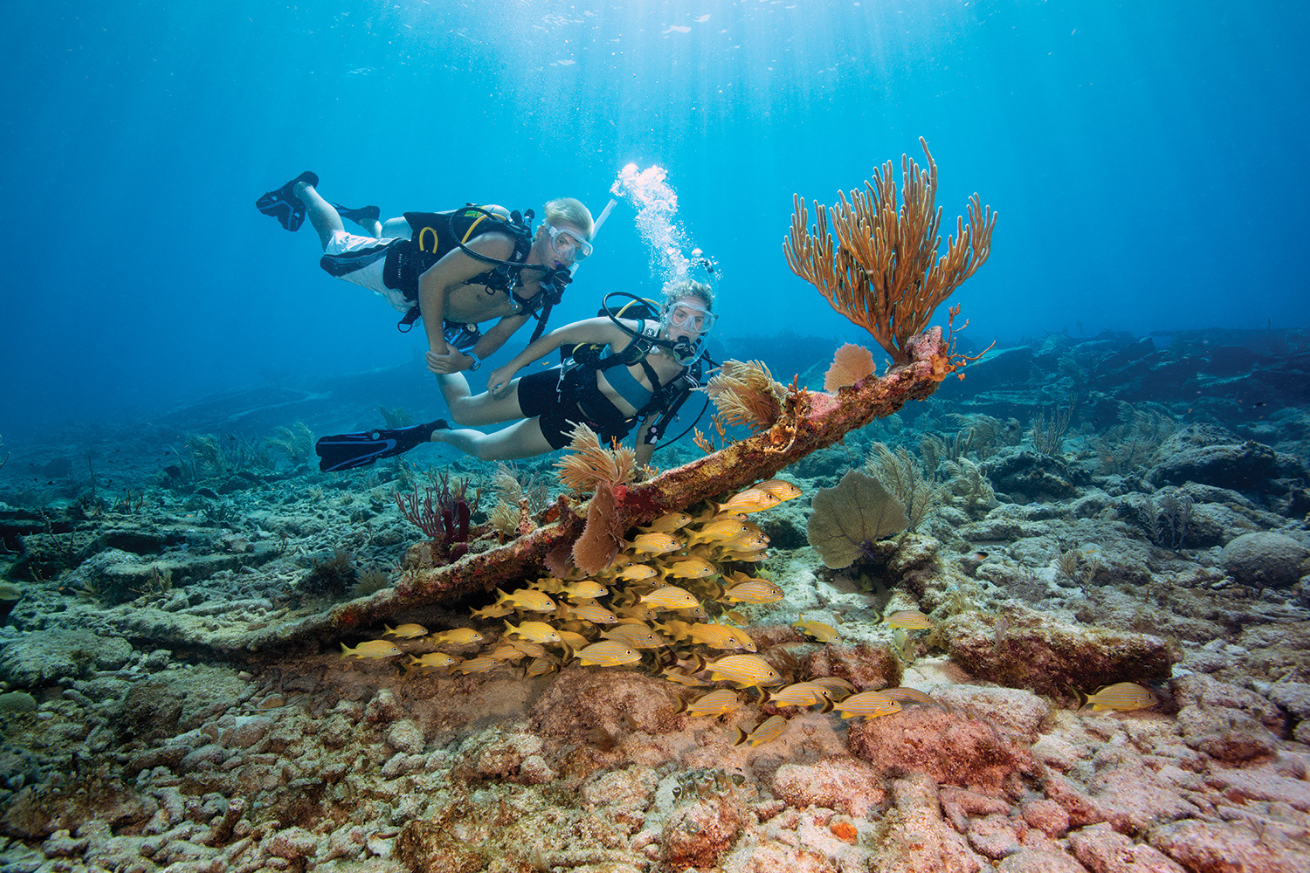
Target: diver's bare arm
{"points": [[498, 335]]}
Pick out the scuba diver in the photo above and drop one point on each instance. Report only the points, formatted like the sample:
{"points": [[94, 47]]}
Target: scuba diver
{"points": [[453, 269], [636, 364]]}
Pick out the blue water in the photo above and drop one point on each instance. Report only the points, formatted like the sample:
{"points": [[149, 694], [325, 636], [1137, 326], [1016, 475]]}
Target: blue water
{"points": [[1147, 161]]}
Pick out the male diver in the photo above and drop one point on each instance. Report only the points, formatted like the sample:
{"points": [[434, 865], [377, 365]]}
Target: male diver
{"points": [[622, 370], [453, 269]]}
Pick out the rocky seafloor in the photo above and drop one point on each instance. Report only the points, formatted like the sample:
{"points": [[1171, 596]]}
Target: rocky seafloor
{"points": [[1109, 510]]}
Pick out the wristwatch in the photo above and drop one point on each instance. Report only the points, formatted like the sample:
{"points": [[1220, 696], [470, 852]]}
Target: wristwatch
{"points": [[477, 362]]}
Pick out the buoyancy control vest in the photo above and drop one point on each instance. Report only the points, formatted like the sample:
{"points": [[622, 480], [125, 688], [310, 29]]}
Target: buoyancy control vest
{"points": [[436, 234]]}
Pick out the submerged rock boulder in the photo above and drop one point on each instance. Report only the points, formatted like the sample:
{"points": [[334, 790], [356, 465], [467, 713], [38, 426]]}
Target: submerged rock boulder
{"points": [[1266, 559], [1049, 656]]}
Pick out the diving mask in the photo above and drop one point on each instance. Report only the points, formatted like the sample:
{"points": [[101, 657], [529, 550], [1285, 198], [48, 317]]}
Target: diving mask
{"points": [[564, 241], [688, 326]]}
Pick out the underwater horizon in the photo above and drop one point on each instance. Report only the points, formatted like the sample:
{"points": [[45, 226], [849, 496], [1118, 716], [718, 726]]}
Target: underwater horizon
{"points": [[1144, 162]]}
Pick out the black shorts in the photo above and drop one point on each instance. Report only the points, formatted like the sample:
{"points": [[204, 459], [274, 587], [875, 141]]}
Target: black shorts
{"points": [[557, 399]]}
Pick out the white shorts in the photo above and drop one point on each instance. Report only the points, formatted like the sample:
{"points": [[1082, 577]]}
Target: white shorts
{"points": [[360, 259]]}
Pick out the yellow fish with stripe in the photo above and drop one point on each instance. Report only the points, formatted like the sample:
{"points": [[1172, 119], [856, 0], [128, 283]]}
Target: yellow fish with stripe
{"points": [[405, 631], [460, 636], [607, 653], [910, 695], [748, 671], [688, 568], [780, 488], [430, 662], [587, 589], [372, 650], [526, 599], [477, 665], [754, 591], [867, 704], [667, 523], [655, 543], [750, 500], [798, 694], [638, 636], [635, 573], [537, 631], [720, 702], [910, 619], [717, 530], [587, 610], [824, 633], [668, 597], [1121, 697], [769, 729]]}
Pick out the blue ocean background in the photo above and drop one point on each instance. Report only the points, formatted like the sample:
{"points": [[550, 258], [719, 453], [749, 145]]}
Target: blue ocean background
{"points": [[1147, 161]]}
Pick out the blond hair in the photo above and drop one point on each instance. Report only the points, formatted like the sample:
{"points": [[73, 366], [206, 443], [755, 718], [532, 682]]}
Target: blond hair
{"points": [[687, 288], [572, 211]]}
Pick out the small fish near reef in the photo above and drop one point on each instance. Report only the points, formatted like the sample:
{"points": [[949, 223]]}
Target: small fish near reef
{"points": [[430, 662], [748, 671], [720, 702], [460, 636], [1121, 697], [750, 500], [910, 619], [373, 650], [780, 488], [867, 704], [816, 630], [769, 729], [608, 653], [405, 631], [525, 599]]}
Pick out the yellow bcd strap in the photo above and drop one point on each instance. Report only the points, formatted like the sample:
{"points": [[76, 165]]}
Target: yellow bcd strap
{"points": [[422, 234]]}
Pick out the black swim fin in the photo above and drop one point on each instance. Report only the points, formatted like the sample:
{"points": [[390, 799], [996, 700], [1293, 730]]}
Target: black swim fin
{"points": [[364, 216], [284, 205], [347, 451]]}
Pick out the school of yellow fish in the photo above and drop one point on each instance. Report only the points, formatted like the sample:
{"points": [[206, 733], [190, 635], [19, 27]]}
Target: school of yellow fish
{"points": [[661, 589]]}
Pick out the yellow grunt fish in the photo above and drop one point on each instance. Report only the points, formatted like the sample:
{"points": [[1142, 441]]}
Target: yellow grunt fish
{"points": [[492, 610], [405, 631], [780, 488], [371, 650], [798, 694], [477, 665], [769, 729], [718, 636], [720, 702], [750, 500], [748, 671], [638, 636], [460, 636], [668, 597], [754, 591], [667, 523], [1121, 697], [526, 599], [539, 667], [655, 543], [430, 662], [587, 610], [683, 678], [635, 573], [867, 704], [910, 619], [717, 530], [824, 633], [608, 653], [584, 590], [689, 568], [537, 631]]}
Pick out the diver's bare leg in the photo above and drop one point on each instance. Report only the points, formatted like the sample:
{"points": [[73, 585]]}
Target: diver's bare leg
{"points": [[321, 214], [467, 408], [521, 440], [394, 227]]}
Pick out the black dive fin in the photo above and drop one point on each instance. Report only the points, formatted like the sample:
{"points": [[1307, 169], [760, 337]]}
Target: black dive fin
{"points": [[284, 205], [347, 451], [364, 216]]}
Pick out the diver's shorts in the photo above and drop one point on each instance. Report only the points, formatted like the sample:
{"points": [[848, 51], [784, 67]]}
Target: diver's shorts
{"points": [[360, 259]]}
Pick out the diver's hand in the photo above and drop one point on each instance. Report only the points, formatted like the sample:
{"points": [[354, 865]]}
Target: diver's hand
{"points": [[499, 380], [446, 364]]}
